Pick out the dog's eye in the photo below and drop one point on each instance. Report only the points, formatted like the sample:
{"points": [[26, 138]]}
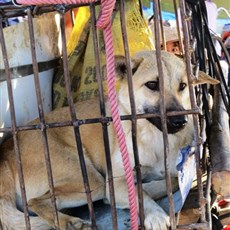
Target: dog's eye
{"points": [[152, 85], [182, 86]]}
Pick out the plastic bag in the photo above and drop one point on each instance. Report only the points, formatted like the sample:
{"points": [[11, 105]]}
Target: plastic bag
{"points": [[82, 60]]}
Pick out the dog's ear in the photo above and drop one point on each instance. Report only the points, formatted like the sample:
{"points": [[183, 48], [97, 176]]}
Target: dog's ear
{"points": [[204, 78], [121, 67]]}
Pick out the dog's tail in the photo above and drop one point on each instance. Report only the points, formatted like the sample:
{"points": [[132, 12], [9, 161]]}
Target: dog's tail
{"points": [[10, 217]]}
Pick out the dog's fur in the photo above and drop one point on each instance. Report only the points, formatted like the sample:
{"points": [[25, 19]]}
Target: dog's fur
{"points": [[68, 183]]}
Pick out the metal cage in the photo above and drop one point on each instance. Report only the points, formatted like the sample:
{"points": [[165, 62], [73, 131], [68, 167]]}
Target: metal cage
{"points": [[187, 44]]}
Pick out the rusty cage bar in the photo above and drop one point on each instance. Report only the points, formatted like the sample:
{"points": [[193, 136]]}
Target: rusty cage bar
{"points": [[186, 51]]}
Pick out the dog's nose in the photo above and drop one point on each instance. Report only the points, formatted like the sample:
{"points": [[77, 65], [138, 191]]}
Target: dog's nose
{"points": [[176, 123]]}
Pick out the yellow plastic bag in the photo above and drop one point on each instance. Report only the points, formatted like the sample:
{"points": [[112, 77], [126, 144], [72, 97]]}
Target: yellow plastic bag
{"points": [[81, 19], [82, 60]]}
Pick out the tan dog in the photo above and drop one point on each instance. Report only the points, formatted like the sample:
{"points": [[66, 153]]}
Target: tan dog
{"points": [[69, 188]]}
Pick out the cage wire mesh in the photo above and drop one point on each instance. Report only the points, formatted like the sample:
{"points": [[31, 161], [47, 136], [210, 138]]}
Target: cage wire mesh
{"points": [[188, 46]]}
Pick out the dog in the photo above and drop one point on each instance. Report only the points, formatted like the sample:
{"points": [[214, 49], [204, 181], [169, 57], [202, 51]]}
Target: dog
{"points": [[68, 182]]}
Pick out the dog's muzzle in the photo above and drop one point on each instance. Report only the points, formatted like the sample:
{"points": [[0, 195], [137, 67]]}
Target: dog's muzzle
{"points": [[174, 123]]}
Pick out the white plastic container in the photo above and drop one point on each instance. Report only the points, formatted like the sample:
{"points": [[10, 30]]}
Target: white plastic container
{"points": [[46, 31]]}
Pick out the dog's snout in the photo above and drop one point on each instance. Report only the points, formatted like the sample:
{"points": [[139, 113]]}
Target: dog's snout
{"points": [[178, 120], [176, 123]]}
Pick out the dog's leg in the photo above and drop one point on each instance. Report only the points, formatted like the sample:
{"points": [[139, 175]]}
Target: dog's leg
{"points": [[155, 216], [42, 206], [68, 194]]}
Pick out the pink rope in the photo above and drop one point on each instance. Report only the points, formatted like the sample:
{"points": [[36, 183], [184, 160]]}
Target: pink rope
{"points": [[104, 16], [47, 2], [110, 70], [105, 13], [104, 22]]}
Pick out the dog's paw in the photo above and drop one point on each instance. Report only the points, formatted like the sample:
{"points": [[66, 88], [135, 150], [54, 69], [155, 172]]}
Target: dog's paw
{"points": [[75, 223], [157, 220]]}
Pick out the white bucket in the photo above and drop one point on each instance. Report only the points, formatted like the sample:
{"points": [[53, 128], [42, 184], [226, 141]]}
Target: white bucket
{"points": [[46, 32]]}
